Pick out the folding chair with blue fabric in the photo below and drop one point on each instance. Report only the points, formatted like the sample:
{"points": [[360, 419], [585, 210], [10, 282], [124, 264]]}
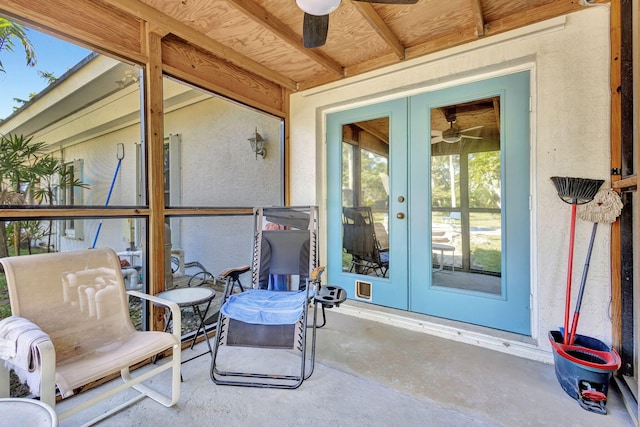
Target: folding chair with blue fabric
{"points": [[273, 314]]}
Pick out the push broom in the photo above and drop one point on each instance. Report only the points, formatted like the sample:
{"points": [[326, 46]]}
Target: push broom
{"points": [[574, 191]]}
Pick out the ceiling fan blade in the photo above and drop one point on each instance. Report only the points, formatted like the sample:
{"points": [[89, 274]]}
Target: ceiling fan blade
{"points": [[390, 1], [470, 129], [436, 139], [436, 133], [471, 137], [314, 30]]}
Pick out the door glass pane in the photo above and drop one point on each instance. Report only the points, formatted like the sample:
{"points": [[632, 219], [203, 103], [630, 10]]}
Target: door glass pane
{"points": [[365, 197], [484, 222], [466, 196]]}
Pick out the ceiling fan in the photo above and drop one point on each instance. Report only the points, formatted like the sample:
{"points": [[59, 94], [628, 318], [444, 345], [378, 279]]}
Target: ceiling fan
{"points": [[453, 134], [316, 18]]}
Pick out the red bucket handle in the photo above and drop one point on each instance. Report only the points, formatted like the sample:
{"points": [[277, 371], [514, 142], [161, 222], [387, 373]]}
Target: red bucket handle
{"points": [[611, 358]]}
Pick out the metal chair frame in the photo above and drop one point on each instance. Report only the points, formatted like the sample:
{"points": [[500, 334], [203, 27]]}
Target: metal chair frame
{"points": [[285, 243]]}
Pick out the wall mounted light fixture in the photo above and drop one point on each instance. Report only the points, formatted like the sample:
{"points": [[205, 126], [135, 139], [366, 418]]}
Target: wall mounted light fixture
{"points": [[257, 144]]}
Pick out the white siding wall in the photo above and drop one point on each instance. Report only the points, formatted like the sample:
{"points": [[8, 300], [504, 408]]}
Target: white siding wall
{"points": [[100, 161]]}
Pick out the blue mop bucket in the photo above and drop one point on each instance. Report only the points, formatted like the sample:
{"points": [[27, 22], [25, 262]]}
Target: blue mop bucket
{"points": [[584, 369]]}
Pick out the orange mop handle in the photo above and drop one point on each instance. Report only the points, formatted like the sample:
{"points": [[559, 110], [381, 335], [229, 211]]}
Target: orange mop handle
{"points": [[567, 306]]}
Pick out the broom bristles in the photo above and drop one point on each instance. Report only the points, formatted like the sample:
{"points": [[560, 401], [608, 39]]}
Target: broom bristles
{"points": [[576, 191]]}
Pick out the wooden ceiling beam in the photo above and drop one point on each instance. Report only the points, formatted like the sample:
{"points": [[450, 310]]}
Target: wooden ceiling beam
{"points": [[476, 10], [376, 22], [530, 16], [201, 68], [264, 18], [491, 28], [147, 13], [496, 110], [373, 131], [447, 41], [71, 21]]}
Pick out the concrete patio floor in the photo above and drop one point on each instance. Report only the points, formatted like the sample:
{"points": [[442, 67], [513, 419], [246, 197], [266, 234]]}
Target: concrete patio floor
{"points": [[373, 374]]}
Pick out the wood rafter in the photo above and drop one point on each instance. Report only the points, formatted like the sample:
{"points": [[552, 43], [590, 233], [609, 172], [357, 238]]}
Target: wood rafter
{"points": [[149, 14], [373, 131], [531, 16], [370, 14], [476, 10], [517, 20], [287, 63], [78, 28], [496, 110], [264, 18]]}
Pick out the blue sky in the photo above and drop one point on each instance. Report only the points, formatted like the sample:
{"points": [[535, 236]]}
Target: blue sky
{"points": [[53, 55]]}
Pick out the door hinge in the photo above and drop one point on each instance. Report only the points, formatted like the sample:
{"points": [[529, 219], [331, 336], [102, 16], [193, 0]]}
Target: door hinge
{"points": [[616, 171]]}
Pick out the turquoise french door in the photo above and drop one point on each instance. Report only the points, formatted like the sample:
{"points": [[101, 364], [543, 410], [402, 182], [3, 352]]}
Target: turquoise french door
{"points": [[471, 190], [367, 148], [444, 178]]}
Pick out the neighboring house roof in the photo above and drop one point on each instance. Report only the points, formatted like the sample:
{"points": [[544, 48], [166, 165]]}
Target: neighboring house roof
{"points": [[91, 80], [58, 81], [96, 95]]}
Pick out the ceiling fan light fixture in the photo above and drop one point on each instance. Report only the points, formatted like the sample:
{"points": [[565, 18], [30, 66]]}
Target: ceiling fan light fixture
{"points": [[451, 135], [452, 139], [318, 7]]}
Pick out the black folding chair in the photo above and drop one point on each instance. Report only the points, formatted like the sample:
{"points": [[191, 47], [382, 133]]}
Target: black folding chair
{"points": [[360, 241]]}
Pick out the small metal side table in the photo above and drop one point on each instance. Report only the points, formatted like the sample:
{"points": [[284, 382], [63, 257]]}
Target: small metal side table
{"points": [[444, 247], [192, 297], [18, 412]]}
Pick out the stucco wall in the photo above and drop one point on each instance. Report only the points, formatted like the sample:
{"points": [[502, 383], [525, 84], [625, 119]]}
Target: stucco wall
{"points": [[219, 169], [218, 166], [569, 60]]}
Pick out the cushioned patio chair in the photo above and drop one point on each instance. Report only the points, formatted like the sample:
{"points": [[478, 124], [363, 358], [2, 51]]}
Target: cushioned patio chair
{"points": [[71, 326]]}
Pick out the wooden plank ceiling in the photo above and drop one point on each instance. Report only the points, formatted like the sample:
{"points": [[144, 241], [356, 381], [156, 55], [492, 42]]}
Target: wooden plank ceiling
{"points": [[265, 36], [260, 41]]}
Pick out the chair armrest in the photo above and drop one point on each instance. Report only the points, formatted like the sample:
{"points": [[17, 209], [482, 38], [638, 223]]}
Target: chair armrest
{"points": [[4, 381], [43, 377], [47, 372], [175, 310], [234, 272]]}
